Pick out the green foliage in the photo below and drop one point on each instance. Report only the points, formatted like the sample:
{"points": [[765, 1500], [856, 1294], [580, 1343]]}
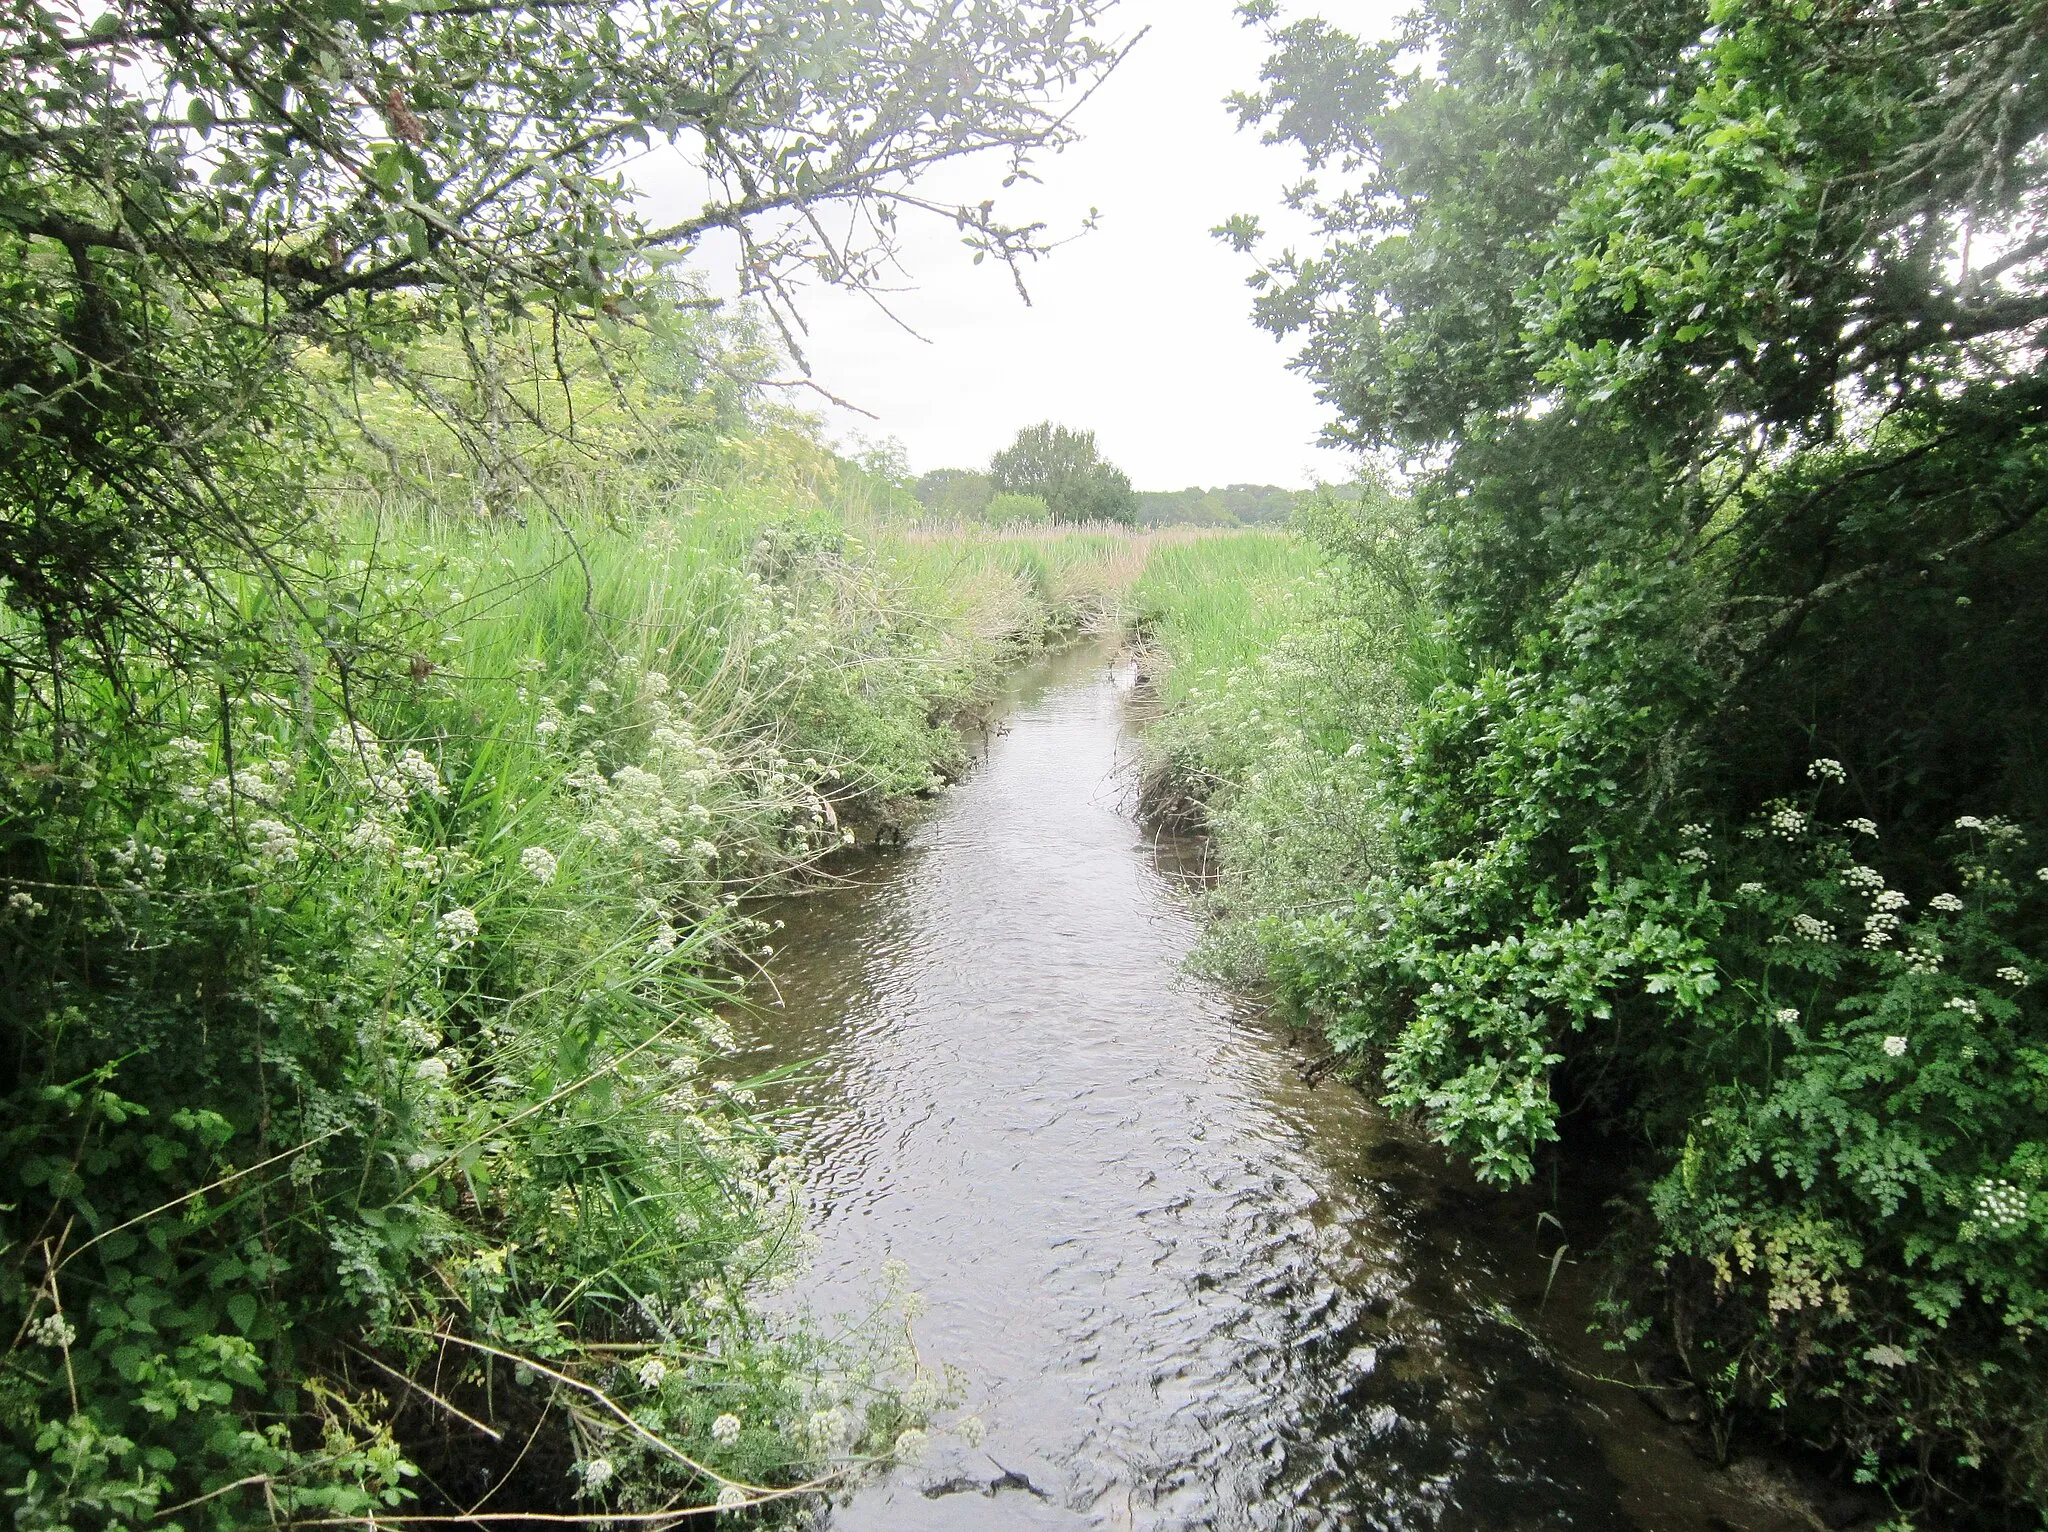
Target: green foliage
{"points": [[357, 1015], [1229, 506], [208, 211], [1064, 469], [1019, 510], [1714, 328], [959, 493], [1282, 659]]}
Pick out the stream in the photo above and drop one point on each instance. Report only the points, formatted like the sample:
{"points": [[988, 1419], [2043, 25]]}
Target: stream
{"points": [[1187, 1288]]}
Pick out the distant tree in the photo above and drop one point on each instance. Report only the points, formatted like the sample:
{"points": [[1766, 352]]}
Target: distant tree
{"points": [[959, 492], [1064, 468], [1190, 507], [1007, 509], [1231, 506]]}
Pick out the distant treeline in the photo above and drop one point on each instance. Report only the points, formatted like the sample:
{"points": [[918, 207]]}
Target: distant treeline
{"points": [[969, 494]]}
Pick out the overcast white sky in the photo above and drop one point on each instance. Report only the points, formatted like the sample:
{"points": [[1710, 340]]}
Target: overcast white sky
{"points": [[1140, 330]]}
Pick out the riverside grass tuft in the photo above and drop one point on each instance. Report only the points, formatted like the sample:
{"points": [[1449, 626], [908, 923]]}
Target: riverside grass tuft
{"points": [[360, 1160], [1278, 660]]}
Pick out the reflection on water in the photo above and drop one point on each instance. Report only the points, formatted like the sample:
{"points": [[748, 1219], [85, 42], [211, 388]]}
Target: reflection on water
{"points": [[1189, 1290]]}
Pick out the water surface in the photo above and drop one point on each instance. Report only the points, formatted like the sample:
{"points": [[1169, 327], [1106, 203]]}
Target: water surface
{"points": [[1189, 1289]]}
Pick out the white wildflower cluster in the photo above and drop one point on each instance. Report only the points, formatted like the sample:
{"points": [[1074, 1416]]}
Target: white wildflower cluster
{"points": [[1861, 826], [460, 926], [652, 1372], [2016, 976], [1948, 903], [1894, 1046], [274, 842], [829, 1431], [23, 905], [372, 838], [539, 864], [909, 1446], [1750, 890], [138, 862], [972, 1431], [1995, 828], [731, 1497], [1788, 823], [1812, 928], [2000, 1207], [1880, 925], [725, 1430], [1923, 959], [597, 1473], [1826, 769], [54, 1331], [1787, 1015], [1962, 1003], [360, 759]]}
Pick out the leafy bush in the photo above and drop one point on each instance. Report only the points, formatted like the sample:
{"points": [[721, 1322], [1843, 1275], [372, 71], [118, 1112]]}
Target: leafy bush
{"points": [[1709, 330]]}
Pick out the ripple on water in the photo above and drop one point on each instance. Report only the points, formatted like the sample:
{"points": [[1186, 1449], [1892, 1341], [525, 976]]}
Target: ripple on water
{"points": [[1181, 1294]]}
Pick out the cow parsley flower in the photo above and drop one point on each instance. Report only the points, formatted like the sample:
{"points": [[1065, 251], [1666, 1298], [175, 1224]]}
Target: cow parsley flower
{"points": [[274, 841], [460, 926], [909, 1445], [972, 1431], [1813, 929], [725, 1430], [652, 1372], [540, 864], [1966, 1006], [1969, 822], [2015, 976], [731, 1498], [2001, 1206], [1827, 769], [597, 1473], [54, 1331], [1750, 890], [1788, 824], [1861, 826], [1948, 902], [1788, 1014], [1923, 960], [1894, 1046]]}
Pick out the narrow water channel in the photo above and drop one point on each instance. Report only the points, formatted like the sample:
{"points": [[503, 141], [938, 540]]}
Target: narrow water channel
{"points": [[1188, 1289]]}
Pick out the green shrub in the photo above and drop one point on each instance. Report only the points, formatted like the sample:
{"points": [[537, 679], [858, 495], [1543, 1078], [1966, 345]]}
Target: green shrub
{"points": [[1017, 510]]}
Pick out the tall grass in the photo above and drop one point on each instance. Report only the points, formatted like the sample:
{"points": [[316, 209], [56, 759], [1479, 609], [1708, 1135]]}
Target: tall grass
{"points": [[1214, 604], [1279, 660], [357, 1149]]}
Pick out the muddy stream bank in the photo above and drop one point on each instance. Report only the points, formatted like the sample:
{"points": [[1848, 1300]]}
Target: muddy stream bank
{"points": [[1188, 1287]]}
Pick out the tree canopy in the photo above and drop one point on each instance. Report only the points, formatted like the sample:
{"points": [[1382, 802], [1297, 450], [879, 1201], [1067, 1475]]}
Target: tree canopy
{"points": [[197, 201], [1065, 469]]}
